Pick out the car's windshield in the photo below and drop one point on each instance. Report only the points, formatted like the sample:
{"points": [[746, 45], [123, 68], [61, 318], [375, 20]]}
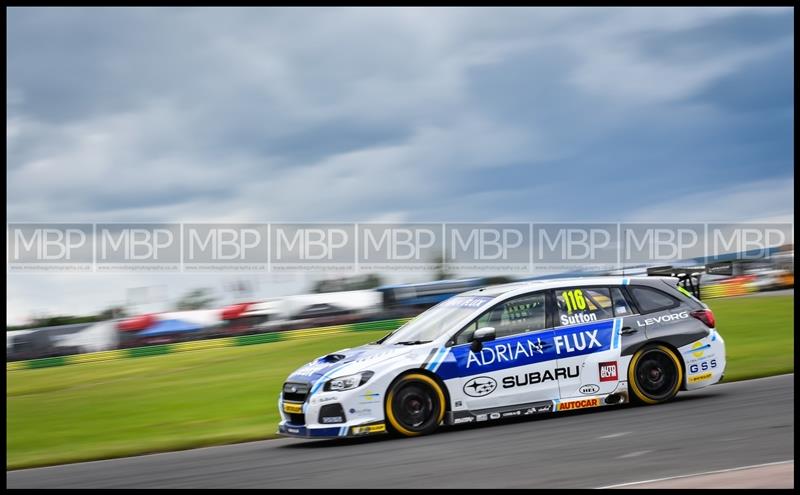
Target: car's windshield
{"points": [[431, 324]]}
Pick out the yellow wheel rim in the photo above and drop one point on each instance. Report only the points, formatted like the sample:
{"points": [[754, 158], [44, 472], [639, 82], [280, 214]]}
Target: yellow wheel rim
{"points": [[388, 407], [632, 373]]}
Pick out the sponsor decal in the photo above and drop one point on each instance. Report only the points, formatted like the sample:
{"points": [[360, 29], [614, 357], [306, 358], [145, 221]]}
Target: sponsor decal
{"points": [[292, 408], [505, 352], [468, 419], [360, 412], [494, 416], [537, 409], [509, 414], [668, 318], [458, 404], [523, 350], [480, 386], [699, 378], [589, 389], [698, 349], [359, 430], [608, 371], [586, 339], [292, 430], [322, 400], [577, 318], [332, 419], [578, 404], [467, 301], [535, 377], [702, 366], [369, 396], [481, 417]]}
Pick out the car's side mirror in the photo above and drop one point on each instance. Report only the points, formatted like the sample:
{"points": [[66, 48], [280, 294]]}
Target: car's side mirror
{"points": [[480, 336]]}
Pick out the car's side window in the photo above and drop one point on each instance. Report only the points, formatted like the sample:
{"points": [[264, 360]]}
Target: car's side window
{"points": [[583, 304], [651, 300], [621, 305], [522, 314]]}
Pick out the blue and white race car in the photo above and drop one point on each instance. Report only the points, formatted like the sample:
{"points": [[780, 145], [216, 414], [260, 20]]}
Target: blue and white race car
{"points": [[512, 350]]}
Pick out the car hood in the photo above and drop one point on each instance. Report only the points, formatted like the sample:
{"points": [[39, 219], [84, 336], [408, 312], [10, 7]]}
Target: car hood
{"points": [[352, 360]]}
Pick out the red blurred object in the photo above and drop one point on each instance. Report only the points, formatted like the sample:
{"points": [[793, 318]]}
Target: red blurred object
{"points": [[136, 323], [234, 310], [706, 316]]}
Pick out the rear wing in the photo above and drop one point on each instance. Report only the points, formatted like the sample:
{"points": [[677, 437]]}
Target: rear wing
{"points": [[689, 276]]}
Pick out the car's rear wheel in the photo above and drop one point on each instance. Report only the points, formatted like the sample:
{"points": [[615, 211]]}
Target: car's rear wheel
{"points": [[655, 374], [415, 405]]}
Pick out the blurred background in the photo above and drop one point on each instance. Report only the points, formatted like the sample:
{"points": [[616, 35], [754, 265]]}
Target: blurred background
{"points": [[197, 314], [384, 115]]}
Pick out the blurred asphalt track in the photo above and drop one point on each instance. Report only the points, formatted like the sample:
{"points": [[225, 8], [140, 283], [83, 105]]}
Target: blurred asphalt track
{"points": [[720, 427]]}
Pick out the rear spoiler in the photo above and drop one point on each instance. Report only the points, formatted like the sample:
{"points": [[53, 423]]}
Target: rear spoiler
{"points": [[689, 276]]}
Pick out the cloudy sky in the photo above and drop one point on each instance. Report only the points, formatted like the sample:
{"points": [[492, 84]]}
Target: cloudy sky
{"points": [[389, 114]]}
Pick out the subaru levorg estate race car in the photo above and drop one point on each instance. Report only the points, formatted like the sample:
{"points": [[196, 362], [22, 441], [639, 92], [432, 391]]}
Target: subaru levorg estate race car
{"points": [[512, 350]]}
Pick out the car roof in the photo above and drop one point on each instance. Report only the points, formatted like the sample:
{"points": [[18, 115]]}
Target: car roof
{"points": [[434, 283], [514, 288]]}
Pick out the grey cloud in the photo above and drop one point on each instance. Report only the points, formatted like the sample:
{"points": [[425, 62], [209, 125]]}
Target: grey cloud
{"points": [[346, 113]]}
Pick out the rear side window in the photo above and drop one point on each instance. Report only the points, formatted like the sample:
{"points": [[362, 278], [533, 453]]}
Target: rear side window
{"points": [[651, 300]]}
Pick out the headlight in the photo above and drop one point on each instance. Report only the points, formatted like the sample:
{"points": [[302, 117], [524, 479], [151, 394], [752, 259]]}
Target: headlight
{"points": [[348, 382]]}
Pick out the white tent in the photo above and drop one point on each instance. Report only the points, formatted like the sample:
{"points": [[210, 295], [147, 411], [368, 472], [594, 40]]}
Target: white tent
{"points": [[100, 336]]}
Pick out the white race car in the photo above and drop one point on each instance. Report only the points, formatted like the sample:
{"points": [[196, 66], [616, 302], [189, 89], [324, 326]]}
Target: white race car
{"points": [[512, 350]]}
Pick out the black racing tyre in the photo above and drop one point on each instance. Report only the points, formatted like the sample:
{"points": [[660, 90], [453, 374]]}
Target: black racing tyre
{"points": [[655, 374], [415, 405]]}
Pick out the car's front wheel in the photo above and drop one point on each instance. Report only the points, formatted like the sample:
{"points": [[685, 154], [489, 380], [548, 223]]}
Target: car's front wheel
{"points": [[415, 405], [655, 374]]}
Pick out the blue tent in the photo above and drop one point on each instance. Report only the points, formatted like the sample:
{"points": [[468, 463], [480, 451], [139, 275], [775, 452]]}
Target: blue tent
{"points": [[166, 327]]}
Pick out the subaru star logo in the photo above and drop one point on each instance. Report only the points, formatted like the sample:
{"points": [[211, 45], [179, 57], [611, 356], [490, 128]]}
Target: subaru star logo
{"points": [[480, 386], [293, 389]]}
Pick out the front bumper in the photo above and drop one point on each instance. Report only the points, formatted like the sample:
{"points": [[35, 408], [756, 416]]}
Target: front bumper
{"points": [[360, 409], [302, 431]]}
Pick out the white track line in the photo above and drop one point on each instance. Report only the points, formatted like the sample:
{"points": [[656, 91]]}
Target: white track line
{"points": [[697, 474]]}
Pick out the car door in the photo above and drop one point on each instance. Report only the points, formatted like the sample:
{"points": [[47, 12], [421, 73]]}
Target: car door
{"points": [[587, 336], [517, 367]]}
